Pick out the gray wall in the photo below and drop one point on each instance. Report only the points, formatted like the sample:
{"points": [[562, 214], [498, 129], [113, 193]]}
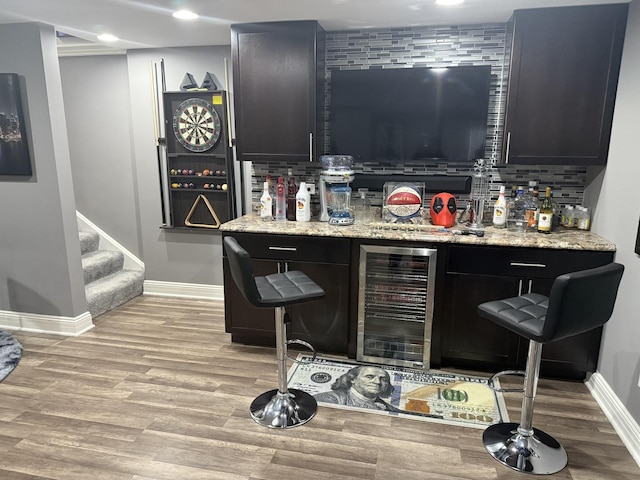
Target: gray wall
{"points": [[98, 113], [617, 220], [109, 106], [40, 268]]}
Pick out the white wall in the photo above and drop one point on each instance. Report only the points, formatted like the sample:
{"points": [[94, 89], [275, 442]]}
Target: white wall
{"points": [[616, 219]]}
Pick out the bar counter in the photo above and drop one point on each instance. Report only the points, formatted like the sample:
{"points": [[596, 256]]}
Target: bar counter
{"points": [[561, 238]]}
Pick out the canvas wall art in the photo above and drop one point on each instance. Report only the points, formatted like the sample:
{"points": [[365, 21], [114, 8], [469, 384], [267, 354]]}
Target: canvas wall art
{"points": [[14, 148]]}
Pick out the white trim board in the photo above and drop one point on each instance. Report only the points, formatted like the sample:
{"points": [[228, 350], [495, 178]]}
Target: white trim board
{"points": [[37, 323], [131, 262], [623, 423], [185, 290]]}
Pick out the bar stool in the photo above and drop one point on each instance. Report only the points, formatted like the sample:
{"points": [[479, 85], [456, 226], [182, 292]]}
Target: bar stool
{"points": [[282, 407], [578, 302]]}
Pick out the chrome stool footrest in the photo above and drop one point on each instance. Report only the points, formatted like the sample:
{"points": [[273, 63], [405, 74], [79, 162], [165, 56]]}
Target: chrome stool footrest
{"points": [[304, 344], [491, 385]]}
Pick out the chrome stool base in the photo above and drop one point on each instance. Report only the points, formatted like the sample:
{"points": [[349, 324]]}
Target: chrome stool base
{"points": [[275, 409], [538, 454]]}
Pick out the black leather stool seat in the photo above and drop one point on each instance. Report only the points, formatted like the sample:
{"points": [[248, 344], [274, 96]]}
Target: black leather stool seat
{"points": [[524, 315], [287, 288]]}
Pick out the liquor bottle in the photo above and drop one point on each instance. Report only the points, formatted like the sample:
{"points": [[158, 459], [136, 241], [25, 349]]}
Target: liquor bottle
{"points": [[266, 208], [291, 197], [303, 207], [545, 217], [516, 209], [272, 192], [281, 200], [500, 210], [533, 205]]}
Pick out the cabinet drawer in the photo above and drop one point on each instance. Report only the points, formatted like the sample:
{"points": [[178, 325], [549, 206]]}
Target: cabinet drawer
{"points": [[295, 247], [524, 262]]}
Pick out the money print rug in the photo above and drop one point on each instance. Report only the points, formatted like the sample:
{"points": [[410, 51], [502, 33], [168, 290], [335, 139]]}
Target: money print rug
{"points": [[428, 395]]}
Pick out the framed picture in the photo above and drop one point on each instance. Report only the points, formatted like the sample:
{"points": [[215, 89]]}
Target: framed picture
{"points": [[14, 148]]}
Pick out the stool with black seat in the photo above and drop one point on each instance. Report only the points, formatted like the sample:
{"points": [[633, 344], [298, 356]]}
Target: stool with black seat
{"points": [[578, 302], [282, 407]]}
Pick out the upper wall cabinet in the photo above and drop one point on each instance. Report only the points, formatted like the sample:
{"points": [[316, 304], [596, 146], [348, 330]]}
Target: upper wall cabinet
{"points": [[279, 90], [562, 84]]}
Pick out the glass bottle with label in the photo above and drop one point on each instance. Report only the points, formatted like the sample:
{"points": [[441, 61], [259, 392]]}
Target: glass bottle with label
{"points": [[303, 207], [533, 206], [266, 208], [545, 217], [291, 196], [516, 209], [281, 200], [500, 210]]}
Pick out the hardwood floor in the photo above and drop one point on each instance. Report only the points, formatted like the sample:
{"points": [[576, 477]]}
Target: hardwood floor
{"points": [[157, 391]]}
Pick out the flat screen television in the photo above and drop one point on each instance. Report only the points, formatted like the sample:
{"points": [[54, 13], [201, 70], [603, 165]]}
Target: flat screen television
{"points": [[406, 114]]}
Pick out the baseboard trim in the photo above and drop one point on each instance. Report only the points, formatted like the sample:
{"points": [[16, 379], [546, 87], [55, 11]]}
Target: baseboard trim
{"points": [[624, 424], [187, 290], [37, 323]]}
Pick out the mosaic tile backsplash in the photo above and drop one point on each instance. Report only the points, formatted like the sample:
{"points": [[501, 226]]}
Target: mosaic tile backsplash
{"points": [[433, 47]]}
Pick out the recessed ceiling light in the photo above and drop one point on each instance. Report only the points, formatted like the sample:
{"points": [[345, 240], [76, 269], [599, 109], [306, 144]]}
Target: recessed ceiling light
{"points": [[185, 15], [449, 2], [107, 37]]}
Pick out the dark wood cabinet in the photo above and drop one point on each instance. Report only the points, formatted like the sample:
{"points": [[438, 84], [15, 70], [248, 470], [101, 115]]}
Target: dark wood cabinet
{"points": [[279, 90], [479, 274], [465, 276], [322, 323], [562, 84]]}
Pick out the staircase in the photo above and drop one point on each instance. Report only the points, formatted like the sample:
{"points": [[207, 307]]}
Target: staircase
{"points": [[107, 284]]}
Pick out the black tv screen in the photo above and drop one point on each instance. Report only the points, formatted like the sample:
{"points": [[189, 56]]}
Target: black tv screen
{"points": [[405, 114]]}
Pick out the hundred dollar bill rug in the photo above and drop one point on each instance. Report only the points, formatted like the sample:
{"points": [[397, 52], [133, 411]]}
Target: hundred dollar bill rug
{"points": [[429, 395], [10, 354]]}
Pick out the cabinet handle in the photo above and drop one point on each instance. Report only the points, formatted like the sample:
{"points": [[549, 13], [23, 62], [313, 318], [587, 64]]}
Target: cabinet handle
{"points": [[311, 146], [530, 285], [284, 249], [519, 287], [522, 264], [506, 153]]}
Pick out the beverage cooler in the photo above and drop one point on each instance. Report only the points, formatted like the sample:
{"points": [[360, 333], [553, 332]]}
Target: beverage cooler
{"points": [[395, 305]]}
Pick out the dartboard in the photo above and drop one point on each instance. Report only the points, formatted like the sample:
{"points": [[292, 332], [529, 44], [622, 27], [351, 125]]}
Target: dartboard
{"points": [[196, 125]]}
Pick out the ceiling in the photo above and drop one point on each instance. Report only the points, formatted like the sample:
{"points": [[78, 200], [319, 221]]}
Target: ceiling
{"points": [[149, 24]]}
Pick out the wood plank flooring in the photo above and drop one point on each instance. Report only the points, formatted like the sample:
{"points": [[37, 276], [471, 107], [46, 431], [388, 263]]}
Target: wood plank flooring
{"points": [[156, 391]]}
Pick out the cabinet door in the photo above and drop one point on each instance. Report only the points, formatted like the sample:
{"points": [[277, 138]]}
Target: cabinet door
{"points": [[323, 323], [275, 90], [467, 338], [562, 84]]}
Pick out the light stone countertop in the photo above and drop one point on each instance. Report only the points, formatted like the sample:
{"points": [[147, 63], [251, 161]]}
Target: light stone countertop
{"points": [[562, 238]]}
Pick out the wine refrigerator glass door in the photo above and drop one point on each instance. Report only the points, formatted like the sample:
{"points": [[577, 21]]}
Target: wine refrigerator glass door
{"points": [[395, 305]]}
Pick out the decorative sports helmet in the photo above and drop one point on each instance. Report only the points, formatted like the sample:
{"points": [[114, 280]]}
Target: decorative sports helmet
{"points": [[444, 209]]}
